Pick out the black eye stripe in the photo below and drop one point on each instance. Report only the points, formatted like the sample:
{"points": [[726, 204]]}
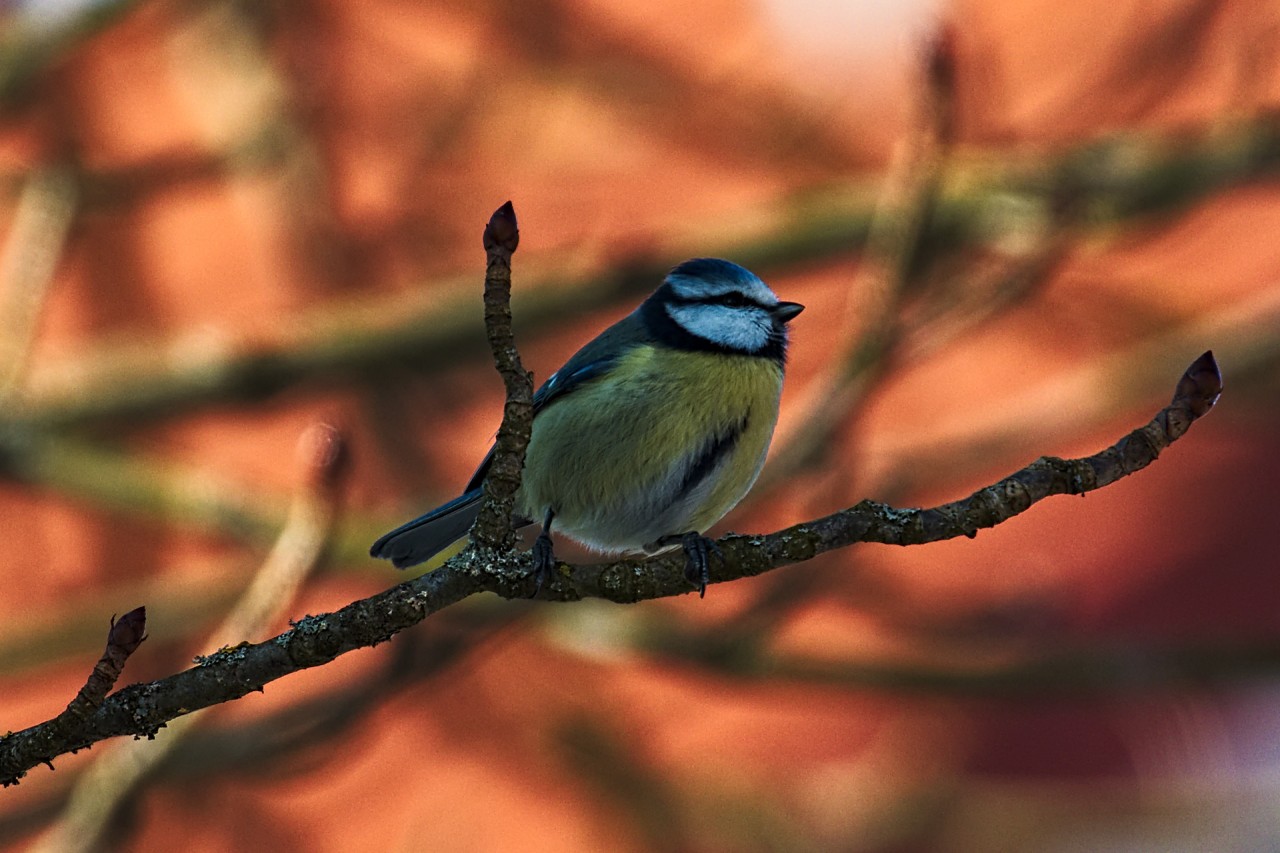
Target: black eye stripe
{"points": [[732, 299]]}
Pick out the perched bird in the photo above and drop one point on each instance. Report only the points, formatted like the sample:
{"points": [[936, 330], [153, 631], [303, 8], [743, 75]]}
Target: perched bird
{"points": [[650, 433]]}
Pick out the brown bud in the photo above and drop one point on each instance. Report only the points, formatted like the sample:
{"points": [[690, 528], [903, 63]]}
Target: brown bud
{"points": [[128, 632], [502, 232], [1201, 385]]}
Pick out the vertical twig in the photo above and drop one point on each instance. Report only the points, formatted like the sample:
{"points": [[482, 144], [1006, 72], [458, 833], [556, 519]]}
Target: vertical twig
{"points": [[493, 526]]}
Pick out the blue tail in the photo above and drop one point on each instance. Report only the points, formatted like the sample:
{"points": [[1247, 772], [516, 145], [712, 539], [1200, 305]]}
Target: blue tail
{"points": [[424, 537]]}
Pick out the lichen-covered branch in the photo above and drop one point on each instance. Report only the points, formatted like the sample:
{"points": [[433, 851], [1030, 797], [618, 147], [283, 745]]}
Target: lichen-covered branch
{"points": [[228, 674]]}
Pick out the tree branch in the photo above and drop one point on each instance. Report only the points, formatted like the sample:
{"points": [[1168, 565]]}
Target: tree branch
{"points": [[230, 673]]}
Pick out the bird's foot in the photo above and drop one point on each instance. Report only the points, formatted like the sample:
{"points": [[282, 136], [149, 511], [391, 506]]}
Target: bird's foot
{"points": [[544, 561], [698, 550]]}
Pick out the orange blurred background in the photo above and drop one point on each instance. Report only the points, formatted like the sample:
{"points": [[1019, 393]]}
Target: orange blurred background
{"points": [[1014, 226]]}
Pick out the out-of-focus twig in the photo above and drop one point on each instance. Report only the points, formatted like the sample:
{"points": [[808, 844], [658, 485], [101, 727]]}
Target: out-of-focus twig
{"points": [[116, 775], [892, 258], [30, 256], [1099, 668], [223, 63], [110, 479]]}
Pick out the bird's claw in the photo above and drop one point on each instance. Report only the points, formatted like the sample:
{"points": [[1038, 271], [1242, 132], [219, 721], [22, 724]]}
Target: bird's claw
{"points": [[697, 551], [544, 561]]}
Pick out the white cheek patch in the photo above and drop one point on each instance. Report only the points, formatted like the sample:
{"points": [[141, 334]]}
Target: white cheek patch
{"points": [[746, 329]]}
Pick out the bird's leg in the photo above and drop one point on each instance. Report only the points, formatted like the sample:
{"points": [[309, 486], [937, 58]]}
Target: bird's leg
{"points": [[544, 558], [697, 552]]}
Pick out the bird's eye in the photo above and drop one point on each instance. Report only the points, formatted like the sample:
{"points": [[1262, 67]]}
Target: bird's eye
{"points": [[733, 299]]}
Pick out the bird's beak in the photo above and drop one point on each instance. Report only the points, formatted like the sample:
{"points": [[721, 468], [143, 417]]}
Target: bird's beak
{"points": [[785, 312]]}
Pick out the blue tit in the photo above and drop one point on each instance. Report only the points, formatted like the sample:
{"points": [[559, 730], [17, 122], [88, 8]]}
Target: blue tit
{"points": [[650, 433]]}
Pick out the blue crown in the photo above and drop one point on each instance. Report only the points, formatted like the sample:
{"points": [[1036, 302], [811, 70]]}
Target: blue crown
{"points": [[714, 269]]}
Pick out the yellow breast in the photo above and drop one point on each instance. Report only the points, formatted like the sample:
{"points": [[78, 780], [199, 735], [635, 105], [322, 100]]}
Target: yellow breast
{"points": [[615, 459]]}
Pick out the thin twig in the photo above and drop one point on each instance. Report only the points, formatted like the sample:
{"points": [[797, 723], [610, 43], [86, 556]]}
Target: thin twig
{"points": [[142, 709], [493, 531]]}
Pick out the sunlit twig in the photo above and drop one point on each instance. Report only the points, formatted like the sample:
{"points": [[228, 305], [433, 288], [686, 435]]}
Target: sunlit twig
{"points": [[30, 257]]}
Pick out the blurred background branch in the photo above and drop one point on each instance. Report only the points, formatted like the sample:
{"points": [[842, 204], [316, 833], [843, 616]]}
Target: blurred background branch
{"points": [[27, 264], [1102, 184]]}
